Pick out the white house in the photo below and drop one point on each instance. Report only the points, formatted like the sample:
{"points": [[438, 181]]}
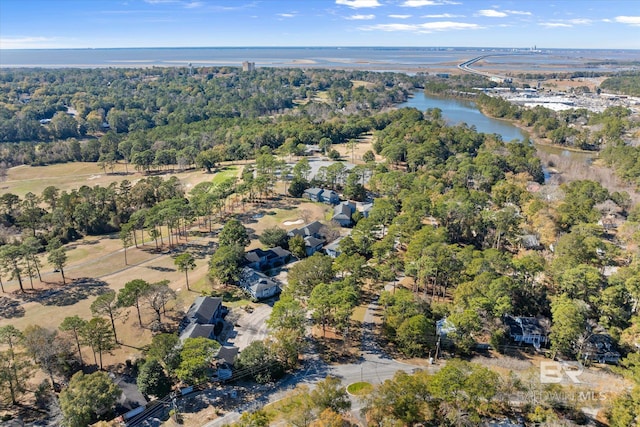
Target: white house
{"points": [[258, 284]]}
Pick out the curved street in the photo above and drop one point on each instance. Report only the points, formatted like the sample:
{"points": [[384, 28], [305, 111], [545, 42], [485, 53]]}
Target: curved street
{"points": [[374, 366]]}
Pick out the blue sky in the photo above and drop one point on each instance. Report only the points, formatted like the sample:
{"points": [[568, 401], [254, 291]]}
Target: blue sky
{"points": [[177, 23]]}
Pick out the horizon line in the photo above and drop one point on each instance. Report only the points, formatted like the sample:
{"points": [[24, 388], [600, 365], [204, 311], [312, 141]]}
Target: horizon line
{"points": [[531, 48]]}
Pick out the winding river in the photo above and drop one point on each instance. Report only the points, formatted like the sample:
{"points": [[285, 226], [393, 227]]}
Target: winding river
{"points": [[457, 111]]}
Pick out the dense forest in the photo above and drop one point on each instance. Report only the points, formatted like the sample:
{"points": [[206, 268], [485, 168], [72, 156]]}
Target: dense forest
{"points": [[625, 83], [463, 215], [608, 132], [167, 116]]}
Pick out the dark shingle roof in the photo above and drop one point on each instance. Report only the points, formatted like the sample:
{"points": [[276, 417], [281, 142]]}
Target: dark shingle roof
{"points": [[313, 228], [312, 242], [279, 252], [202, 310], [315, 191], [195, 330]]}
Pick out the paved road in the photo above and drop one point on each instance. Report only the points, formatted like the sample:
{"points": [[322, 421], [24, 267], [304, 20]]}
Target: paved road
{"points": [[250, 327], [373, 366]]}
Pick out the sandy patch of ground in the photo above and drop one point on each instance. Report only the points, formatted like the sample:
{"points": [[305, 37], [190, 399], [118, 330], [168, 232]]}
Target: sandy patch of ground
{"points": [[365, 143], [296, 222]]}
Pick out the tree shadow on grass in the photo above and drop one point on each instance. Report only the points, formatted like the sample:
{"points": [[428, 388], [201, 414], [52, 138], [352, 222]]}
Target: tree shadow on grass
{"points": [[162, 269], [10, 308], [65, 295]]}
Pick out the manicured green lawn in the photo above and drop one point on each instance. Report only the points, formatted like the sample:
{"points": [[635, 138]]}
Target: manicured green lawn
{"points": [[360, 388]]}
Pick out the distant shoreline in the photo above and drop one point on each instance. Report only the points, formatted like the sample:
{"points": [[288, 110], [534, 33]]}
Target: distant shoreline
{"points": [[389, 59]]}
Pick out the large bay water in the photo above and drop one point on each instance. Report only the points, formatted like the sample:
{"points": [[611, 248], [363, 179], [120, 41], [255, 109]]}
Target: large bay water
{"points": [[411, 59]]}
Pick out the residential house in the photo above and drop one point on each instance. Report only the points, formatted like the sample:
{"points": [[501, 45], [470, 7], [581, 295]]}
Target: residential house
{"points": [[257, 284], [224, 365], [259, 259], [131, 397], [205, 310], [530, 241], [333, 248], [312, 245], [313, 229], [600, 348], [342, 213], [196, 330], [365, 208], [445, 327], [610, 221], [526, 330], [205, 318], [316, 194]]}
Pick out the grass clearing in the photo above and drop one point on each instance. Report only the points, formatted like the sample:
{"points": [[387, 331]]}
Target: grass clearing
{"points": [[361, 388], [101, 258], [69, 176], [362, 83]]}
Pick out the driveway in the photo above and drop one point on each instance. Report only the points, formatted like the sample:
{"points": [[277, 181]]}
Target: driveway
{"points": [[249, 326], [374, 366]]}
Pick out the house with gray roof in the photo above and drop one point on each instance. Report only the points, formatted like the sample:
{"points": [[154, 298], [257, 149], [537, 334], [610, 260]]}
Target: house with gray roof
{"points": [[322, 195], [205, 310], [313, 229], [333, 248], [312, 245], [205, 318], [527, 330], [195, 330], [260, 259], [600, 348], [342, 213], [258, 284]]}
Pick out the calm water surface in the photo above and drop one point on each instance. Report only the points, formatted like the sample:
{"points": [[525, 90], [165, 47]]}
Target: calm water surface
{"points": [[457, 111]]}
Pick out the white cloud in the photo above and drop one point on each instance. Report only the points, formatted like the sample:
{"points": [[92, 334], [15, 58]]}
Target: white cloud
{"points": [[194, 5], [361, 17], [492, 13], [630, 20], [566, 23], [399, 16], [555, 25], [579, 21], [357, 4], [286, 15], [518, 12], [427, 27], [421, 3], [442, 16]]}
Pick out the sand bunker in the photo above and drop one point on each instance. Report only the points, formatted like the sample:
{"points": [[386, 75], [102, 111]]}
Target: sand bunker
{"points": [[296, 222]]}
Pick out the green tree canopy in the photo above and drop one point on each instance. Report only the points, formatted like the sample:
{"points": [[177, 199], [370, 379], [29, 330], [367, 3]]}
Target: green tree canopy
{"points": [[87, 398], [233, 233], [185, 262], [152, 380], [195, 359], [131, 293]]}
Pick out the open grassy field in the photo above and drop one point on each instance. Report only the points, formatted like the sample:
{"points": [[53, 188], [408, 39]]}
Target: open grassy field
{"points": [[68, 176], [96, 263]]}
